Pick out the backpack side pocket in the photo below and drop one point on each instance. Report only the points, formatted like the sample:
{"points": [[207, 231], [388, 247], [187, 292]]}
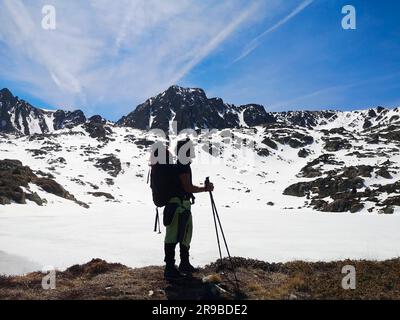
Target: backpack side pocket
{"points": [[169, 212]]}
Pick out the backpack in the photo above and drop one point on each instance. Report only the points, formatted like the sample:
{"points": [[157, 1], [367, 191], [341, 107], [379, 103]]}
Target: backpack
{"points": [[161, 177]]}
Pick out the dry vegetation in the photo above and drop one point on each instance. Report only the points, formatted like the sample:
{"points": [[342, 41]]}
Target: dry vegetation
{"points": [[257, 280]]}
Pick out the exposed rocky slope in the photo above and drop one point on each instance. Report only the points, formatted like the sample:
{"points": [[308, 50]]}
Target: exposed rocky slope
{"points": [[257, 280], [17, 115], [16, 181]]}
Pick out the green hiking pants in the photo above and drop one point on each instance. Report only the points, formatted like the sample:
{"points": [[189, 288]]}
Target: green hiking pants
{"points": [[181, 228]]}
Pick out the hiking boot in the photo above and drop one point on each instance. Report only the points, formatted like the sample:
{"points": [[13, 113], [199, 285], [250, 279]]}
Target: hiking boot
{"points": [[185, 265], [170, 272]]}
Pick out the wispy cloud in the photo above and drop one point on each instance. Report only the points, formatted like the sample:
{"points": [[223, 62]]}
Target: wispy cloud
{"points": [[117, 53], [253, 44], [217, 40], [293, 103]]}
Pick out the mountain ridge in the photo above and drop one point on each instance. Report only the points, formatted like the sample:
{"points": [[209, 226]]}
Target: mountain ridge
{"points": [[189, 107], [19, 116]]}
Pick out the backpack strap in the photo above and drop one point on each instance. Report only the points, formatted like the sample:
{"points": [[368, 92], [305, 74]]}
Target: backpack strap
{"points": [[157, 222]]}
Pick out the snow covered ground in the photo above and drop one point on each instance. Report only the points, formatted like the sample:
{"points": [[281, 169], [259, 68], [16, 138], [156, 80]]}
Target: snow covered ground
{"points": [[34, 237]]}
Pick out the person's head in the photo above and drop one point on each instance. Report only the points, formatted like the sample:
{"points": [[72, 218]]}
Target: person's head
{"points": [[185, 151], [160, 154]]}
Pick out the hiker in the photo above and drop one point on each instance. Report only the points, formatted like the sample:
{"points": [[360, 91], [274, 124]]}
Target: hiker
{"points": [[177, 212]]}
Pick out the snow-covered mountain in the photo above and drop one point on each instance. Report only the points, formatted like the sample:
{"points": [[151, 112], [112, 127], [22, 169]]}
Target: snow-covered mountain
{"points": [[341, 151], [17, 115], [191, 108], [287, 185]]}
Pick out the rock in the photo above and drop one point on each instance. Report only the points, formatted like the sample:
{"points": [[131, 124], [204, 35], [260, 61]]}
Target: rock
{"points": [[380, 109], [52, 187], [36, 152], [367, 124], [68, 119], [4, 200], [336, 144], [60, 160], [384, 173], [355, 207], [293, 138], [111, 164], [392, 201], [109, 181], [35, 198], [303, 153], [390, 188], [391, 135], [263, 152], [14, 176], [102, 194], [144, 142], [310, 172], [44, 174], [372, 113], [269, 143], [387, 210], [339, 187], [298, 189], [97, 129], [355, 171], [340, 205]]}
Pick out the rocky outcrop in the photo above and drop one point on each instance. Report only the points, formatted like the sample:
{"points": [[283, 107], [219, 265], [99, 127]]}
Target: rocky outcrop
{"points": [[97, 128], [110, 163], [14, 185], [340, 190], [336, 144]]}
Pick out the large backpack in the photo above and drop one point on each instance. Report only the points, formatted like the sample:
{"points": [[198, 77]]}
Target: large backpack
{"points": [[161, 178]]}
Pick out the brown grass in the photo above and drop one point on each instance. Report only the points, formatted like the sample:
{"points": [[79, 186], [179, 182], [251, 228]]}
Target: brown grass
{"points": [[257, 280]]}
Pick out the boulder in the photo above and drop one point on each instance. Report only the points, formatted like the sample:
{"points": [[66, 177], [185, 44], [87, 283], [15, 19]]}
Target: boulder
{"points": [[269, 143], [303, 153], [111, 164]]}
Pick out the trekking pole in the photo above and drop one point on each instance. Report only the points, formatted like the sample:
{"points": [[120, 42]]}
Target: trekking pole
{"points": [[207, 182], [216, 216]]}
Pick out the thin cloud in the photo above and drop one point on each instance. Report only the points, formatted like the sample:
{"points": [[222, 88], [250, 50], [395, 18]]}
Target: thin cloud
{"points": [[115, 53], [333, 89], [216, 41], [253, 44]]}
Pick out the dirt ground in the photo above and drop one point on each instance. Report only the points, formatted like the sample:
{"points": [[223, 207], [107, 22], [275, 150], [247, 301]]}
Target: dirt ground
{"points": [[257, 280]]}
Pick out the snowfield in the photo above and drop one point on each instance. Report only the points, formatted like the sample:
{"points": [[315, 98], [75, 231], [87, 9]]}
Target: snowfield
{"points": [[32, 237]]}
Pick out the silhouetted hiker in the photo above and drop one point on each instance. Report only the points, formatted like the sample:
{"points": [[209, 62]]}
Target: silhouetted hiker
{"points": [[177, 213]]}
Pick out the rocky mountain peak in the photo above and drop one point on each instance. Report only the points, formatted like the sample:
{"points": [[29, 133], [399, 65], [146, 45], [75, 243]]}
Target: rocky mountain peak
{"points": [[191, 108], [18, 116], [6, 94]]}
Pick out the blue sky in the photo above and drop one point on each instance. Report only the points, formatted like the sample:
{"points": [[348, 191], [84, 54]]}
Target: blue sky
{"points": [[107, 57]]}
